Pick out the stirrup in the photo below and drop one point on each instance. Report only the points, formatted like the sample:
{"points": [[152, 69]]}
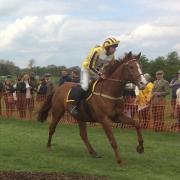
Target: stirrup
{"points": [[74, 110]]}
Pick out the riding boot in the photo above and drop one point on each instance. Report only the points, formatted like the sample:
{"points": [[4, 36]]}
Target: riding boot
{"points": [[75, 106]]}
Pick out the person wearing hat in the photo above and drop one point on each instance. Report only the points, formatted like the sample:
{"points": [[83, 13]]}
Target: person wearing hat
{"points": [[75, 76], [175, 85], [159, 92], [129, 96], [64, 77], [96, 59], [47, 75], [2, 88], [144, 100], [41, 90], [8, 76], [49, 84], [8, 97]]}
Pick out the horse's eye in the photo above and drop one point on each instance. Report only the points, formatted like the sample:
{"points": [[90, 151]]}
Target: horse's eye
{"points": [[131, 67]]}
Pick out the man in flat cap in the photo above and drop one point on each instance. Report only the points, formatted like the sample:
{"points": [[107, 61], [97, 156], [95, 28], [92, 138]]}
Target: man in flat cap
{"points": [[64, 77], [49, 84], [159, 92]]}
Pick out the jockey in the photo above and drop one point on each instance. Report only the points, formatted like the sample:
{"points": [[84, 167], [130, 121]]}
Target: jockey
{"points": [[97, 57]]}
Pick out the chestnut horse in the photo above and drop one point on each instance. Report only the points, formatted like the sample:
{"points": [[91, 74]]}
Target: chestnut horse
{"points": [[105, 105]]}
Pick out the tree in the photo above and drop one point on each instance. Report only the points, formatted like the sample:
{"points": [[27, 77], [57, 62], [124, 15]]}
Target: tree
{"points": [[172, 65], [8, 68], [31, 63], [145, 63]]}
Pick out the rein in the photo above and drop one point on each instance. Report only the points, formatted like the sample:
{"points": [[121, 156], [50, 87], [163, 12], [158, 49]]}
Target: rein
{"points": [[114, 80], [121, 81], [105, 95]]}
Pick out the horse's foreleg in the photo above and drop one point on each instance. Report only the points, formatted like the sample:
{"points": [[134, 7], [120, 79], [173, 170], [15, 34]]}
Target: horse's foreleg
{"points": [[83, 134], [107, 125], [126, 120]]}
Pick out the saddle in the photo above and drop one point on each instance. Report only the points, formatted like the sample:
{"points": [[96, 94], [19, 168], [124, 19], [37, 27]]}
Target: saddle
{"points": [[73, 93]]}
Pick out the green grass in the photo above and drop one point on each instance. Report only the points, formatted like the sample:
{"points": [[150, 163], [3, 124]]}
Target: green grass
{"points": [[22, 148]]}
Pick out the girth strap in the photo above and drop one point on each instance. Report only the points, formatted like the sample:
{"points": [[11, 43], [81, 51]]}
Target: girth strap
{"points": [[107, 96]]}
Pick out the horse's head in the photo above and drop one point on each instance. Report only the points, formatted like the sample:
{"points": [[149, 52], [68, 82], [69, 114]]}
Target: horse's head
{"points": [[126, 70], [133, 70]]}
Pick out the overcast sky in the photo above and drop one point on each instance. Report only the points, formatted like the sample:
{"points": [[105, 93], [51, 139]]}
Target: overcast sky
{"points": [[62, 32]]}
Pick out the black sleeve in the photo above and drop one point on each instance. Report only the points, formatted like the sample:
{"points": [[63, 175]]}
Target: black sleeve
{"points": [[12, 89], [61, 81], [69, 79], [92, 61]]}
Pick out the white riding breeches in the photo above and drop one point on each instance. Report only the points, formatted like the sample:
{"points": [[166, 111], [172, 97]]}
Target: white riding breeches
{"points": [[85, 79]]}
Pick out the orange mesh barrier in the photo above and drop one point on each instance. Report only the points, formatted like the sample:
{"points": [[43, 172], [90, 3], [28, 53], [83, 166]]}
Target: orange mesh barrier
{"points": [[164, 116]]}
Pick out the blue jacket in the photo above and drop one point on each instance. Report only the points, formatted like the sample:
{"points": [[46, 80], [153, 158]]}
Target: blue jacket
{"points": [[175, 85], [64, 79]]}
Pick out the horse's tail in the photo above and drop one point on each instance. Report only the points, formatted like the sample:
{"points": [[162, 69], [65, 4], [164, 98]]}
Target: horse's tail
{"points": [[43, 112]]}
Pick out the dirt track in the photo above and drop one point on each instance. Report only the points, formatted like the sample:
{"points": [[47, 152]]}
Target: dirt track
{"points": [[44, 176]]}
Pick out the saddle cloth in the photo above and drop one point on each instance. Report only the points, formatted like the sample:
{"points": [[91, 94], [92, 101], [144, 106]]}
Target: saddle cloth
{"points": [[74, 92]]}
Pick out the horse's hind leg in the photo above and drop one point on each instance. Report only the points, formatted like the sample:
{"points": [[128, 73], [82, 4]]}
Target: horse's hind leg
{"points": [[55, 119], [126, 120], [83, 134]]}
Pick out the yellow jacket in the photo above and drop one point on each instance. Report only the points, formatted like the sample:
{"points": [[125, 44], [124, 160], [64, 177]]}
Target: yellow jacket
{"points": [[96, 59], [145, 95]]}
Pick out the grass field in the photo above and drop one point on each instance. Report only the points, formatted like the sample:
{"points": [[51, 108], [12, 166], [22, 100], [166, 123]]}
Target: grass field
{"points": [[22, 148]]}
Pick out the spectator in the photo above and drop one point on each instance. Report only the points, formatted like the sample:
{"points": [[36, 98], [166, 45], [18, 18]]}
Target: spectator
{"points": [[1, 94], [175, 85], [75, 76], [41, 90], [49, 84], [33, 82], [21, 96], [64, 77], [30, 87], [143, 101], [15, 94], [160, 91], [8, 97], [178, 108], [129, 95]]}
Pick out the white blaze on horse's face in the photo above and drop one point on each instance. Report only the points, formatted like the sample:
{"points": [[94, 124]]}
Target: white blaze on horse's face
{"points": [[143, 81]]}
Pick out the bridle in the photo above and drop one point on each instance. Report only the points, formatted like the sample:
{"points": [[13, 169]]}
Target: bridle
{"points": [[118, 81], [127, 66]]}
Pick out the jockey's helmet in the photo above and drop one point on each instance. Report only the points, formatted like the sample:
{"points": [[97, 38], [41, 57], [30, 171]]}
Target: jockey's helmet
{"points": [[111, 42]]}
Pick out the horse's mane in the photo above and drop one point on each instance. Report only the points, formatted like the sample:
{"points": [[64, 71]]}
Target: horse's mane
{"points": [[114, 64]]}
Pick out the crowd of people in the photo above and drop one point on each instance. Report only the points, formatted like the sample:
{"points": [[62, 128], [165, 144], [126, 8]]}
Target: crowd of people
{"points": [[153, 98], [21, 94]]}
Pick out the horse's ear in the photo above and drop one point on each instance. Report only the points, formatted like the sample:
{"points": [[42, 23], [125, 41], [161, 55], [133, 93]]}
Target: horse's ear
{"points": [[139, 55], [129, 55]]}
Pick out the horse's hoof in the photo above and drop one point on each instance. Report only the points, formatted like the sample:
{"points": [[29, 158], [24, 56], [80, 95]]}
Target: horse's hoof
{"points": [[95, 155], [49, 148], [121, 162], [140, 149]]}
